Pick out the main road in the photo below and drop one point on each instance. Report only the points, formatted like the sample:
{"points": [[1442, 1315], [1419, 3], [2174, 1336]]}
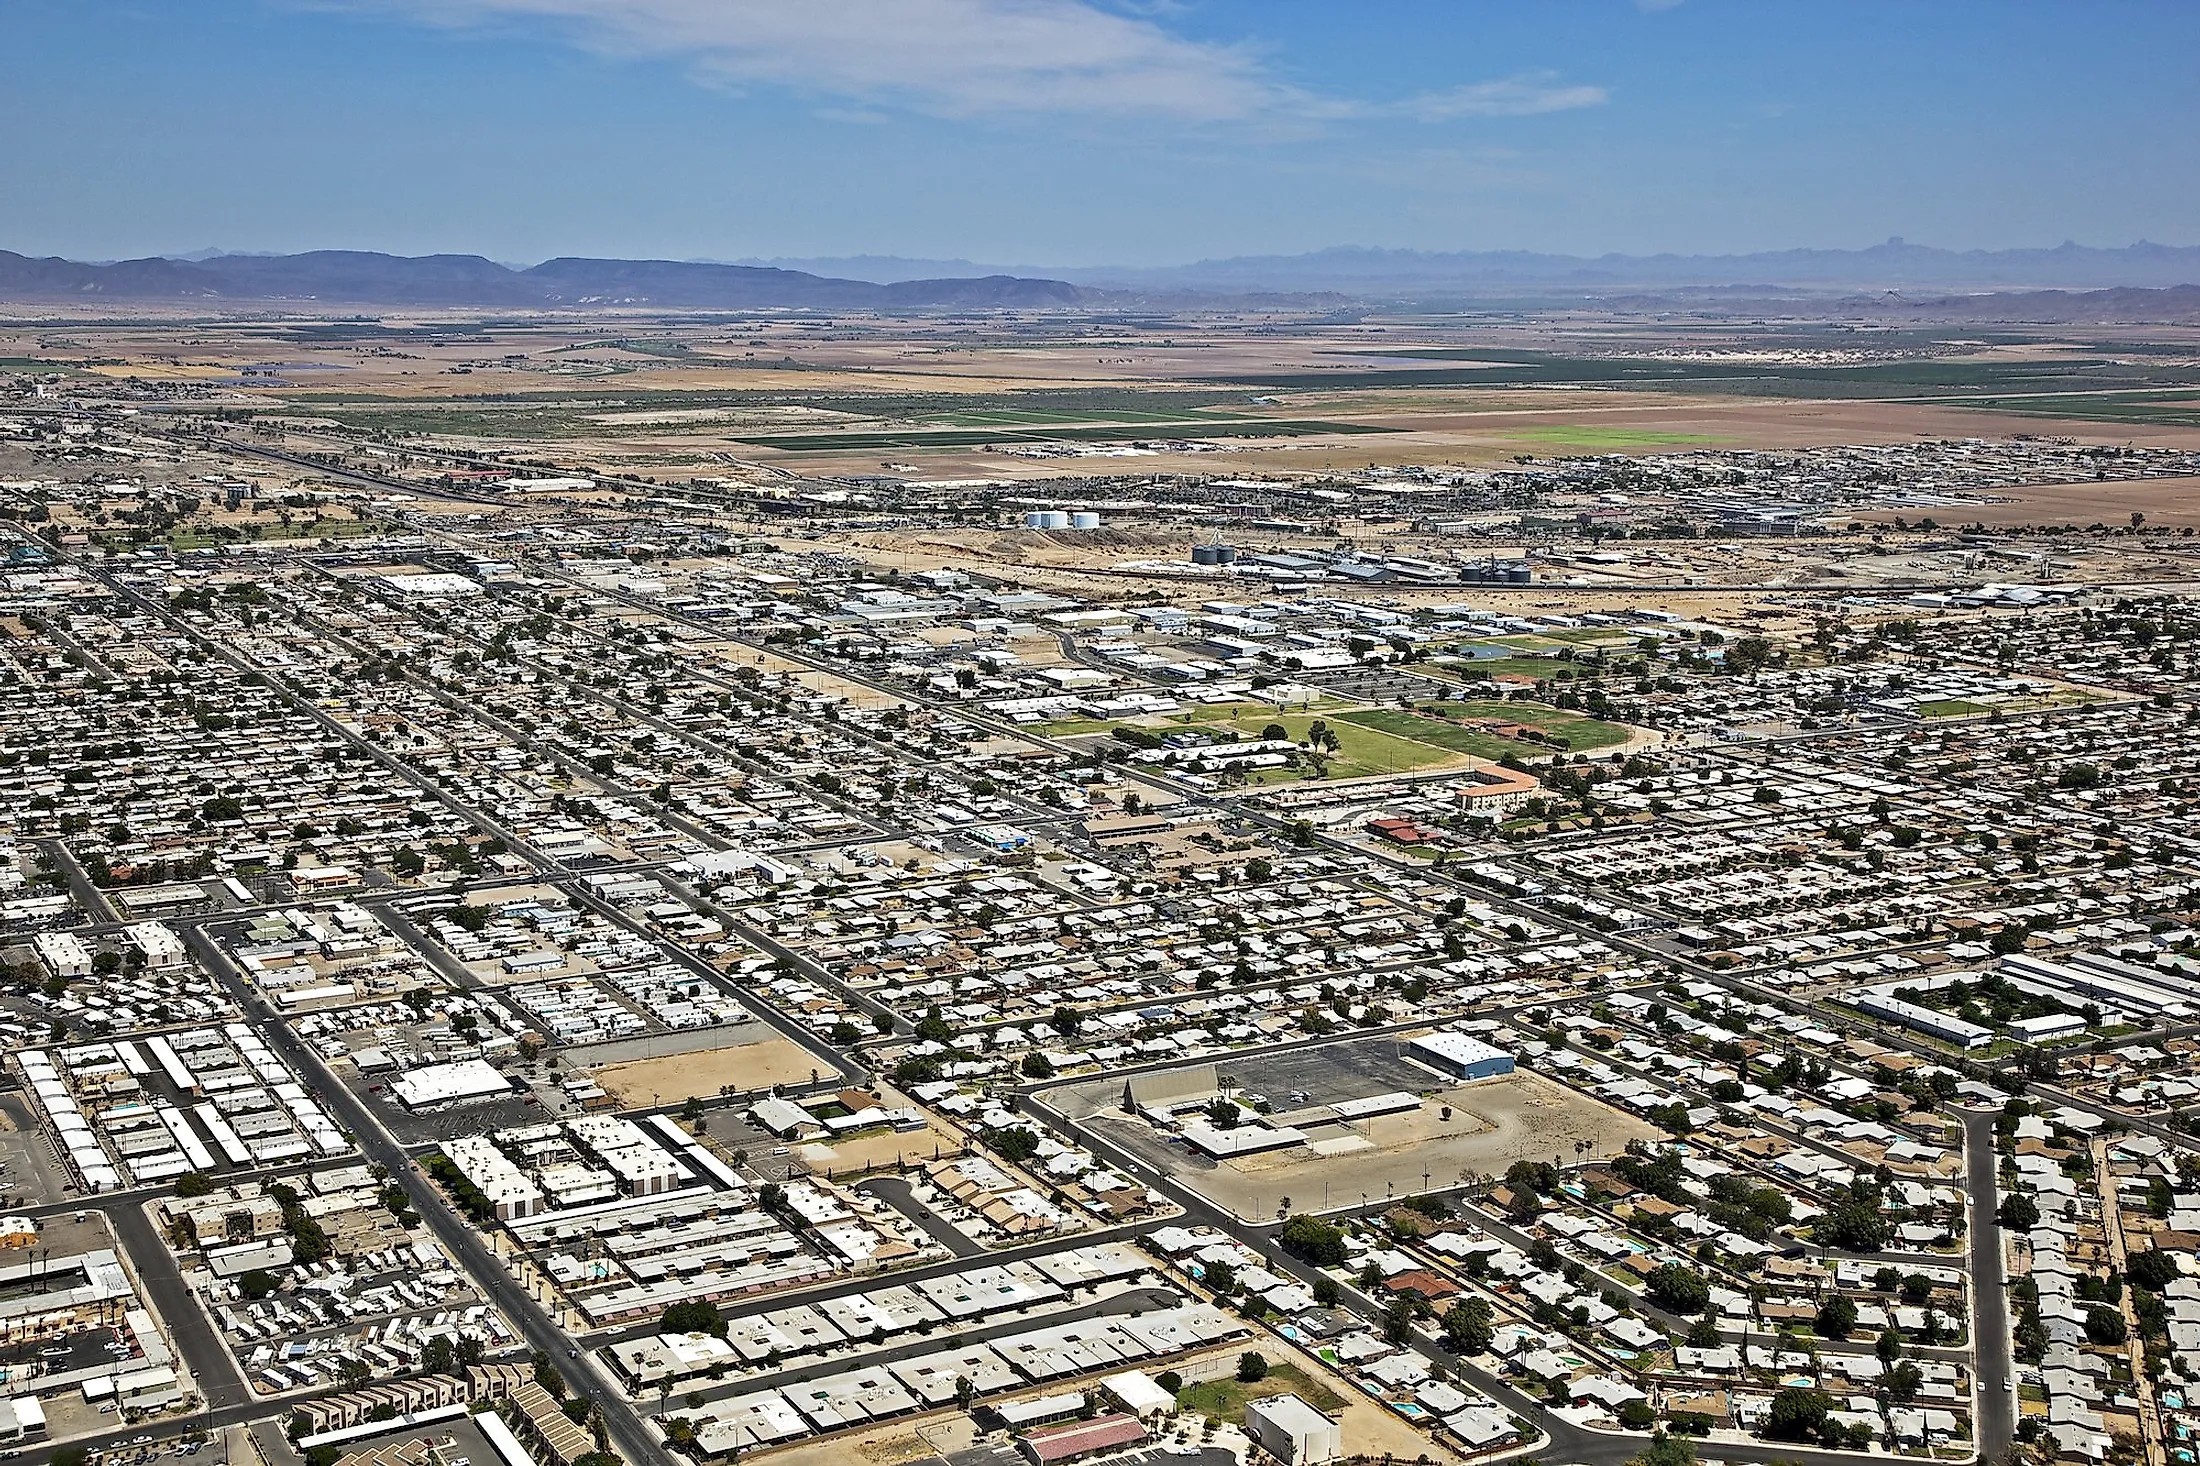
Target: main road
{"points": [[1994, 1416], [631, 1436]]}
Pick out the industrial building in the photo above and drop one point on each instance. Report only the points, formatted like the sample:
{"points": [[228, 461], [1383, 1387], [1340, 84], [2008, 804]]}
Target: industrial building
{"points": [[2112, 983], [1061, 519], [1881, 1002], [445, 1084], [1461, 1055]]}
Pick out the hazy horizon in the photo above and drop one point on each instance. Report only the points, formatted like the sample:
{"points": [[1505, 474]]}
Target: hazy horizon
{"points": [[1105, 133]]}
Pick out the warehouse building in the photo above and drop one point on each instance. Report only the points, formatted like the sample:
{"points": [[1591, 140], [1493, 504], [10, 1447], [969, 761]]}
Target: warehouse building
{"points": [[22, 1418], [445, 1084], [1881, 1002], [1461, 1055]]}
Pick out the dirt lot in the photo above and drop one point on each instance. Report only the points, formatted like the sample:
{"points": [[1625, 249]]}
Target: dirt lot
{"points": [[1494, 1123], [745, 1066], [2170, 502], [1525, 1116]]}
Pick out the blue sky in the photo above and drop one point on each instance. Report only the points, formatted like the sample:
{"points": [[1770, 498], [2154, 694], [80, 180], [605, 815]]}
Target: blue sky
{"points": [[1091, 131]]}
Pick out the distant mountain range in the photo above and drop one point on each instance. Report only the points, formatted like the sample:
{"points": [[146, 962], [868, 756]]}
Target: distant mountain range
{"points": [[1413, 274], [2171, 304], [1894, 277], [356, 278]]}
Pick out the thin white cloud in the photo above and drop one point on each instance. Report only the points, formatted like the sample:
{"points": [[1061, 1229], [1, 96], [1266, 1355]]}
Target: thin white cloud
{"points": [[954, 57], [1529, 95]]}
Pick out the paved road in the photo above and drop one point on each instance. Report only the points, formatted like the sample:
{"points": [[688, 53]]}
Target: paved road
{"points": [[896, 1193], [995, 1326], [629, 1435], [1995, 1426], [188, 1326], [81, 889]]}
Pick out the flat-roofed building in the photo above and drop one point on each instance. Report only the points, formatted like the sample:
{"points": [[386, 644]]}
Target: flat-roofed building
{"points": [[444, 1084], [1293, 1431], [1084, 1438], [1461, 1055]]}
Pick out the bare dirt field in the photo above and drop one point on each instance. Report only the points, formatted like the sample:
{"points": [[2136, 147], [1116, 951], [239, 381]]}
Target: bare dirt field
{"points": [[2166, 502], [1525, 1116], [1485, 427], [1494, 1123], [745, 1066]]}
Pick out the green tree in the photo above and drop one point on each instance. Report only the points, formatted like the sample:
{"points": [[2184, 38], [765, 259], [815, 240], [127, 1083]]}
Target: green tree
{"points": [[547, 1375], [1836, 1318], [1467, 1326], [1797, 1414], [2105, 1325], [1855, 1226], [1015, 1143], [1666, 1449], [1678, 1289], [692, 1316], [1252, 1368], [2152, 1269], [1314, 1240], [2018, 1213]]}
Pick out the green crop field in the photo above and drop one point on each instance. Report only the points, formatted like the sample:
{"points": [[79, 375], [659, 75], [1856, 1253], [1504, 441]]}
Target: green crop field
{"points": [[1925, 376], [2168, 409], [1109, 433], [1022, 418]]}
